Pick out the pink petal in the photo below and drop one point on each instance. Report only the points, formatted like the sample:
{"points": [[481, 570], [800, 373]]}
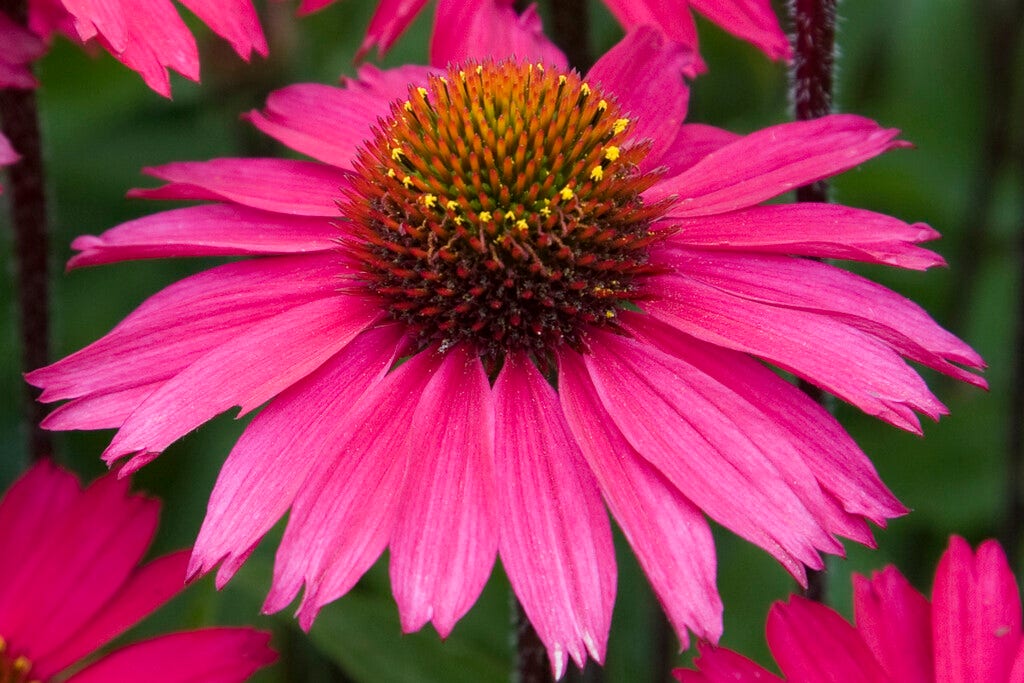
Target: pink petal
{"points": [[84, 557], [752, 20], [645, 74], [180, 324], [446, 538], [105, 17], [840, 359], [772, 161], [490, 29], [27, 513], [847, 298], [808, 229], [895, 622], [342, 521], [976, 614], [835, 460], [213, 655], [247, 371], [693, 142], [7, 154], [329, 123], [285, 446], [555, 540], [389, 21], [147, 588], [719, 665], [813, 643], [671, 17], [210, 230], [711, 446], [21, 48], [235, 21], [298, 188], [666, 531]]}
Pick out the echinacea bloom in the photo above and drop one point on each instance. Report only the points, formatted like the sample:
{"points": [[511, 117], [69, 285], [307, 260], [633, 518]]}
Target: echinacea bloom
{"points": [[503, 297], [20, 48], [70, 582], [969, 632], [751, 20], [149, 36]]}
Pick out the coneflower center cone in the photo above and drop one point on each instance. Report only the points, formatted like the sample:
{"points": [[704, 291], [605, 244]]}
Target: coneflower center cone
{"points": [[501, 206], [14, 669]]}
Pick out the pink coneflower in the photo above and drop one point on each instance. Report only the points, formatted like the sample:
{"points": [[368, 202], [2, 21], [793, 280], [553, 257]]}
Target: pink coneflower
{"points": [[751, 20], [503, 297], [70, 582], [969, 632], [148, 36]]}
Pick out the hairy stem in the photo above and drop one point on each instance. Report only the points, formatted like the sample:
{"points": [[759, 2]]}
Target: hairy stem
{"points": [[532, 664], [570, 29]]}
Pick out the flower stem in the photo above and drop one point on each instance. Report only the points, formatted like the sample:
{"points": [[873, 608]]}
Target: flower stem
{"points": [[570, 29], [532, 664], [20, 119], [814, 42]]}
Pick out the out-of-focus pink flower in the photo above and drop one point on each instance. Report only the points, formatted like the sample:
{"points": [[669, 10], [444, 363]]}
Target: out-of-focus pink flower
{"points": [[70, 582], [20, 48], [751, 20], [148, 36], [7, 154], [581, 288], [969, 632]]}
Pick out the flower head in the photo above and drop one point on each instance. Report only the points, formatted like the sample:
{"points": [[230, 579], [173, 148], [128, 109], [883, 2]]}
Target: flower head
{"points": [[148, 36], [58, 604], [969, 632], [504, 297]]}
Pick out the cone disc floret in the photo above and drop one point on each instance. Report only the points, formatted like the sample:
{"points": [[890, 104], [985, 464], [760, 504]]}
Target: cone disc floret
{"points": [[500, 206]]}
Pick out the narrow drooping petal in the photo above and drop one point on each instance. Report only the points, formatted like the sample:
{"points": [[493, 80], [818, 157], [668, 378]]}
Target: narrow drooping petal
{"points": [[976, 614], [771, 161], [813, 643], [683, 423], [389, 21], [446, 538], [693, 142], [177, 326], [244, 372], [848, 298], [476, 30], [809, 229], [329, 123], [261, 476], [646, 72], [895, 622], [221, 655], [668, 533], [298, 188], [236, 21], [752, 20], [813, 346], [217, 230], [341, 522], [671, 17], [554, 537], [829, 453]]}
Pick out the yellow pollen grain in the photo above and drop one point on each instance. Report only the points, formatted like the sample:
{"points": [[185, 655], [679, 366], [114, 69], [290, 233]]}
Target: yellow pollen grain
{"points": [[391, 173], [584, 88], [22, 664], [479, 69], [396, 152], [609, 314], [408, 105], [619, 125], [561, 80], [611, 153], [596, 173], [458, 220], [545, 211], [451, 205], [602, 105], [510, 216], [422, 91], [566, 193], [522, 225], [485, 216], [540, 67], [407, 181], [429, 200], [462, 74]]}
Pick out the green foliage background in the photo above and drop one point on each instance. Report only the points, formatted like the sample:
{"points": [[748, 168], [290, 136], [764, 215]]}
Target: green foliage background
{"points": [[918, 65]]}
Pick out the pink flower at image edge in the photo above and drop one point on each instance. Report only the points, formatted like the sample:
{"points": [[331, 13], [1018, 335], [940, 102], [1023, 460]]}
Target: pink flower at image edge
{"points": [[71, 582], [577, 336], [969, 632]]}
